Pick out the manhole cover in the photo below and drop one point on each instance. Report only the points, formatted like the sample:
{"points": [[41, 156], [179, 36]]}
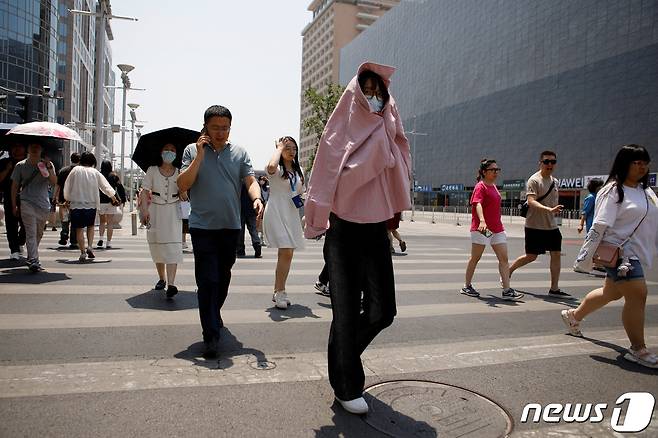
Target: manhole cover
{"points": [[262, 365], [428, 409]]}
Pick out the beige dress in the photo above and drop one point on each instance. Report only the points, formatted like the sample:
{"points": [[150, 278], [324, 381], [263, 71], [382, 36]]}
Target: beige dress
{"points": [[165, 233]]}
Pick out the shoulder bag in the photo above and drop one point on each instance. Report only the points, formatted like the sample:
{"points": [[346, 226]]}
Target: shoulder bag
{"points": [[525, 206]]}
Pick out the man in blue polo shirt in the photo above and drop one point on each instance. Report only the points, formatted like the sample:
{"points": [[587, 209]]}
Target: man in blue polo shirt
{"points": [[213, 172]]}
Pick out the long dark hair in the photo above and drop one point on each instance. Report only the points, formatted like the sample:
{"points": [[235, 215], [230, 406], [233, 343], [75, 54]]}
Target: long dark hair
{"points": [[295, 162], [486, 162], [619, 172], [106, 168]]}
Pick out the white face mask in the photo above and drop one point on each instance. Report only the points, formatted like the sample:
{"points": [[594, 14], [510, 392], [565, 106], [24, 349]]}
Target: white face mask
{"points": [[376, 104], [168, 156]]}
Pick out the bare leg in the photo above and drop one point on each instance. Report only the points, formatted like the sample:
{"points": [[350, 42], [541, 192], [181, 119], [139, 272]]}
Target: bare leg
{"points": [[635, 296], [397, 236], [80, 234], [161, 270], [282, 268], [476, 255], [171, 273], [503, 263], [90, 236], [597, 299], [102, 221], [109, 222], [555, 269], [522, 261]]}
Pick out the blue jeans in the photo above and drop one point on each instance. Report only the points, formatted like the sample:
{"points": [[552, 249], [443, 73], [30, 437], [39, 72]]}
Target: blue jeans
{"points": [[214, 256], [358, 260]]}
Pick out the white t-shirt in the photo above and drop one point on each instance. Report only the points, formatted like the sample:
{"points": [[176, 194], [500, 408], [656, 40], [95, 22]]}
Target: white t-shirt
{"points": [[621, 220]]}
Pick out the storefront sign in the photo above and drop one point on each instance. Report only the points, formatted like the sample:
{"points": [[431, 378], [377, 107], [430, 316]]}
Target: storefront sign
{"points": [[514, 184], [571, 183], [452, 187]]}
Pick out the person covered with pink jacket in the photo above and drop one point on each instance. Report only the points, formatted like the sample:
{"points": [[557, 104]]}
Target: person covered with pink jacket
{"points": [[360, 179]]}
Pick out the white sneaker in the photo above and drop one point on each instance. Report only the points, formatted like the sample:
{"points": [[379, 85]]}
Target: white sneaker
{"points": [[281, 300], [571, 324], [357, 406], [83, 257], [108, 245], [15, 256]]}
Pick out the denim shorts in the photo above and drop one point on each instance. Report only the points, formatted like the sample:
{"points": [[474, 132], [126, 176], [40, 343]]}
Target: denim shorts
{"points": [[634, 274]]}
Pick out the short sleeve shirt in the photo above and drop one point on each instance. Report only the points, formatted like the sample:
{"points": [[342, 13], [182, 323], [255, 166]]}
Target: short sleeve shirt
{"points": [[36, 191], [489, 197], [538, 186], [588, 210], [215, 195]]}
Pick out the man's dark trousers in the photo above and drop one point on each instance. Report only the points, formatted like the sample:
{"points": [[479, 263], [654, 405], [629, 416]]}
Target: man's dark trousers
{"points": [[250, 221], [214, 256], [15, 228]]}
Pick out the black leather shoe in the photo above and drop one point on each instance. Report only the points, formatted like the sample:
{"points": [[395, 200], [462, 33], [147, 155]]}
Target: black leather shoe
{"points": [[160, 285], [171, 291], [257, 252]]}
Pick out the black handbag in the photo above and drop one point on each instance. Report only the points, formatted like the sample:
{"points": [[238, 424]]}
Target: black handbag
{"points": [[525, 206]]}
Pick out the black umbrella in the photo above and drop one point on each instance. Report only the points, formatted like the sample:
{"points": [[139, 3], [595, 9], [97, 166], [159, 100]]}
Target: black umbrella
{"points": [[148, 149]]}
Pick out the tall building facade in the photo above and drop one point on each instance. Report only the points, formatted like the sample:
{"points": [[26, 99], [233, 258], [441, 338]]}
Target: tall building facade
{"points": [[507, 79], [76, 73], [335, 23], [28, 55]]}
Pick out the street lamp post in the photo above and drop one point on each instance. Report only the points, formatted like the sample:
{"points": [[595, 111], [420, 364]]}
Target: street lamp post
{"points": [[125, 69], [133, 119], [413, 166]]}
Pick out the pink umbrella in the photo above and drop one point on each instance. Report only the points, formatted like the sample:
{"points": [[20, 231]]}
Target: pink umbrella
{"points": [[45, 129]]}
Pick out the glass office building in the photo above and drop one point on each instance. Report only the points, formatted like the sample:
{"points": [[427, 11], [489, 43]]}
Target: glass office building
{"points": [[507, 79], [28, 54]]}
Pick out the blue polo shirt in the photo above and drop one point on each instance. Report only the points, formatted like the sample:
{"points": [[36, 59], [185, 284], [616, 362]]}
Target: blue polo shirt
{"points": [[215, 195]]}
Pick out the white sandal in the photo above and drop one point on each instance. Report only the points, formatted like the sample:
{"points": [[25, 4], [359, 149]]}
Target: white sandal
{"points": [[642, 357]]}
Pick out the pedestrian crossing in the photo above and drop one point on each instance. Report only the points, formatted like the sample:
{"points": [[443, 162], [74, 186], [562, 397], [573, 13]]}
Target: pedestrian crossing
{"points": [[72, 305]]}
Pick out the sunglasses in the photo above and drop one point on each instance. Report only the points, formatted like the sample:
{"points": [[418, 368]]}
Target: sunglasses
{"points": [[547, 162]]}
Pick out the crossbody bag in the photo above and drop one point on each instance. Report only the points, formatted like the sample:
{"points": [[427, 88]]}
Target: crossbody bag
{"points": [[525, 206], [608, 254]]}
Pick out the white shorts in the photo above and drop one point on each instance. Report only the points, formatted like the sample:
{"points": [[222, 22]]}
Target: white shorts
{"points": [[496, 239], [109, 209]]}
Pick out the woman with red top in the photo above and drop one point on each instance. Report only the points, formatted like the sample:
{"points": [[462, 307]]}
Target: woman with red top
{"points": [[487, 229]]}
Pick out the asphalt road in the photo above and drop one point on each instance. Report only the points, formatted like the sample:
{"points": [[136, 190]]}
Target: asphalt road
{"points": [[91, 350]]}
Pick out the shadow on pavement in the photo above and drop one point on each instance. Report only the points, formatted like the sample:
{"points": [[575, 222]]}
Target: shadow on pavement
{"points": [[572, 302], [75, 261], [346, 424], [619, 361], [293, 311], [229, 347], [494, 301], [156, 300], [9, 263], [21, 275]]}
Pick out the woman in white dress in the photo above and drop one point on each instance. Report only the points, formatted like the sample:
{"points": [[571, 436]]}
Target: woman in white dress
{"points": [[164, 219], [281, 223]]}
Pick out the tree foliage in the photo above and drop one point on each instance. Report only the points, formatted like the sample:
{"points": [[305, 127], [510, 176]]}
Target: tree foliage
{"points": [[322, 105]]}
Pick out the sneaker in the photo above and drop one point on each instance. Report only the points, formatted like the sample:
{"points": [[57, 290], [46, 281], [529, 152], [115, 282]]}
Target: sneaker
{"points": [[108, 245], [62, 242], [322, 288], [90, 253], [559, 294], [403, 246], [569, 320], [642, 357], [99, 244], [53, 229], [171, 291], [510, 294], [15, 256], [83, 257], [470, 291], [281, 300], [357, 406], [160, 285], [34, 266]]}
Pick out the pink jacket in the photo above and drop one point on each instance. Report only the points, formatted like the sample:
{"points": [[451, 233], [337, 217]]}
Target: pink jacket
{"points": [[361, 171]]}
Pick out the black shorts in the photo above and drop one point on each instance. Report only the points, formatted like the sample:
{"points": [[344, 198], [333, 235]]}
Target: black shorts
{"points": [[186, 226], [539, 241], [83, 217]]}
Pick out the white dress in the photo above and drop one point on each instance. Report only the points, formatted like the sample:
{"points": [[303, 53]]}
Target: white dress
{"points": [[281, 223], [165, 236]]}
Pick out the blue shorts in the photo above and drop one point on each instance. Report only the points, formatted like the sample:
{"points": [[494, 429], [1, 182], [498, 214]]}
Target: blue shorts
{"points": [[83, 217], [634, 274]]}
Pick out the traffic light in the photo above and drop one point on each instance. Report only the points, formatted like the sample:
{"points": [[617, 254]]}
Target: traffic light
{"points": [[26, 108]]}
